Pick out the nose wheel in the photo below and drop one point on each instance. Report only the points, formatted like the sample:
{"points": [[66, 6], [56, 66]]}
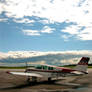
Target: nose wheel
{"points": [[28, 79]]}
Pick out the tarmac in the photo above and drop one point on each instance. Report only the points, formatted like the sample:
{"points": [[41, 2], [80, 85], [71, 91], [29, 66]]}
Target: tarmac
{"points": [[16, 83]]}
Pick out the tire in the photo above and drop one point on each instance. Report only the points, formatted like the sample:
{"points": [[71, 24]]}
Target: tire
{"points": [[49, 79]]}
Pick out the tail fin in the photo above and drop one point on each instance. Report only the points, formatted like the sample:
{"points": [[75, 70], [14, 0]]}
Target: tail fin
{"points": [[82, 65]]}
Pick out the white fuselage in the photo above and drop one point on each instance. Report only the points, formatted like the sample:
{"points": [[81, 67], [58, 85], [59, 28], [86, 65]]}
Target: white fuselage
{"points": [[46, 74]]}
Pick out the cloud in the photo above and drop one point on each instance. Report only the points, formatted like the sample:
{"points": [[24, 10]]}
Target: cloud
{"points": [[45, 21], [47, 29], [3, 20], [73, 29], [83, 34], [48, 10], [23, 20], [76, 11], [31, 32], [66, 37], [86, 34], [1, 7], [36, 57]]}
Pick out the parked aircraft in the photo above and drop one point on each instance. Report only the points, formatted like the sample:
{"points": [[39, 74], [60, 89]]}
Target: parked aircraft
{"points": [[50, 71]]}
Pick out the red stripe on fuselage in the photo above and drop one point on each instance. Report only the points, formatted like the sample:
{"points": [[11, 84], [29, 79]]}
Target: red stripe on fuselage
{"points": [[52, 71], [66, 70], [40, 70], [83, 63]]}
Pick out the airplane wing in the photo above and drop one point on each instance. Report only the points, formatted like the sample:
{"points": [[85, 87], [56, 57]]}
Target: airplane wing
{"points": [[77, 72], [25, 74]]}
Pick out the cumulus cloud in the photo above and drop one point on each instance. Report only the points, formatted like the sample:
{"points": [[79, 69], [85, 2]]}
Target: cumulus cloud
{"points": [[77, 11], [83, 34], [23, 20], [31, 32], [86, 34], [66, 37], [69, 9], [71, 30], [36, 57], [1, 7], [3, 20], [45, 21], [47, 29]]}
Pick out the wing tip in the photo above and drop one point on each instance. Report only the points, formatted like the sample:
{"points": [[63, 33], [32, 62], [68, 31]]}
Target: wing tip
{"points": [[8, 72]]}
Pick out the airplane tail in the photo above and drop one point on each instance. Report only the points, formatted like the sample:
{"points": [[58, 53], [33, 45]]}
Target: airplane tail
{"points": [[82, 65]]}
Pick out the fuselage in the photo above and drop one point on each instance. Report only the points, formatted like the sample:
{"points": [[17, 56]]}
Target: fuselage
{"points": [[48, 71]]}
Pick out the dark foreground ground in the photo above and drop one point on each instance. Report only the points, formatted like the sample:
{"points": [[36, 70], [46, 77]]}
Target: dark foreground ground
{"points": [[13, 83]]}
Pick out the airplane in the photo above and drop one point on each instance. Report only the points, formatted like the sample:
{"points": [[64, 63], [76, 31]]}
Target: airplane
{"points": [[51, 71]]}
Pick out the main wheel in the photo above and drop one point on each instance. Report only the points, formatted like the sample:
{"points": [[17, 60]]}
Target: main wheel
{"points": [[49, 79], [34, 79], [28, 79]]}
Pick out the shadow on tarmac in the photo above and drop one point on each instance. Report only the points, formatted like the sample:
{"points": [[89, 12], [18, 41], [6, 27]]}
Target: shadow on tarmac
{"points": [[28, 84]]}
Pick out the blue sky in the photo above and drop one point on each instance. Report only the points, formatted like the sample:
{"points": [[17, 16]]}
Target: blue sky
{"points": [[52, 25]]}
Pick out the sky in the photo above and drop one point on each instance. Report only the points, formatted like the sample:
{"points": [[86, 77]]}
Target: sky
{"points": [[45, 25]]}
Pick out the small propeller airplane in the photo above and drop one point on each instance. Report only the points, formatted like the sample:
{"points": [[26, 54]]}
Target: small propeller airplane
{"points": [[50, 71]]}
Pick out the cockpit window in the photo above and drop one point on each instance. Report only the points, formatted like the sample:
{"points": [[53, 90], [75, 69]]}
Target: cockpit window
{"points": [[44, 67], [38, 67], [50, 68]]}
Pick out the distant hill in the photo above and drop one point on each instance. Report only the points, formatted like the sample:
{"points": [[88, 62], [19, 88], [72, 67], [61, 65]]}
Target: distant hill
{"points": [[24, 67], [73, 65]]}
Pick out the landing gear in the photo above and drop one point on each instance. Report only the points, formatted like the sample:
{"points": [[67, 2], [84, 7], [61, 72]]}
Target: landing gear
{"points": [[34, 79], [49, 79], [28, 79]]}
